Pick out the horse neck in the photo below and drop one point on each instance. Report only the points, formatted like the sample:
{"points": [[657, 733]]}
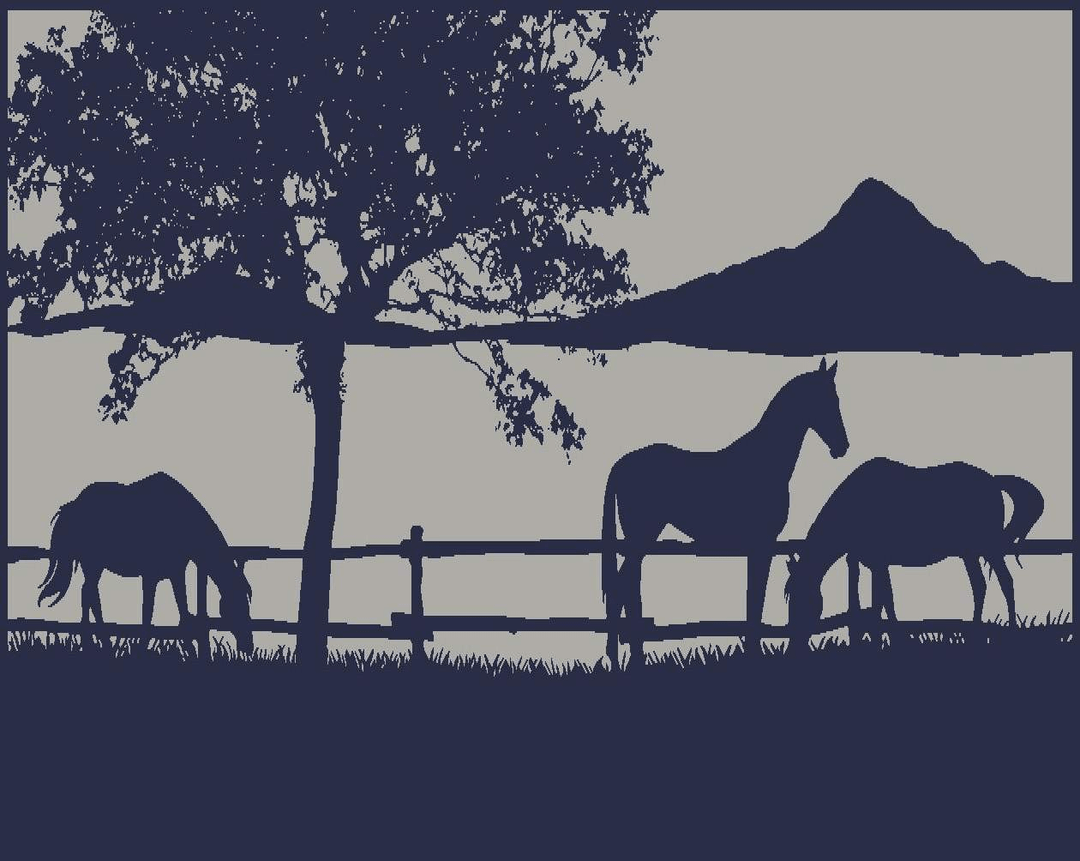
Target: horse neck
{"points": [[820, 558], [825, 542], [216, 555], [779, 435], [220, 570]]}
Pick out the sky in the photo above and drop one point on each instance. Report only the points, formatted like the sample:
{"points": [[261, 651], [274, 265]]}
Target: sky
{"points": [[763, 123]]}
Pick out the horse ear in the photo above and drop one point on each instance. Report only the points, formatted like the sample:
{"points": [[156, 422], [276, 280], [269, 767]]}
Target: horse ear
{"points": [[832, 369], [821, 367]]}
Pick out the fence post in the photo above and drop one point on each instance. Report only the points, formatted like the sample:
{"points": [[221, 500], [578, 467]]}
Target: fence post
{"points": [[416, 618], [202, 616]]}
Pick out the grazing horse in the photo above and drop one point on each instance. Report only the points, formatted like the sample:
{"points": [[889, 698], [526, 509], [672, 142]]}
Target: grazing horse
{"points": [[737, 495], [150, 528], [888, 513]]}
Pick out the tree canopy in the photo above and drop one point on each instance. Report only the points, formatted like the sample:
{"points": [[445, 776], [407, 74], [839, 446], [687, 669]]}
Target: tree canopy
{"points": [[315, 170]]}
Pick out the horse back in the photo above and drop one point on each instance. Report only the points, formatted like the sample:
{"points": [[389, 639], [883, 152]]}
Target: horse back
{"points": [[912, 515], [178, 512], [153, 518], [704, 494]]}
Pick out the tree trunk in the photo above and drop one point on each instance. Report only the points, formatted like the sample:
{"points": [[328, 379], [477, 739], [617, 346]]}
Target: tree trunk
{"points": [[324, 361]]}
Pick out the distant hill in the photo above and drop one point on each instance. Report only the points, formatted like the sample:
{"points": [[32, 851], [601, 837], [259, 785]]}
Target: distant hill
{"points": [[878, 277]]}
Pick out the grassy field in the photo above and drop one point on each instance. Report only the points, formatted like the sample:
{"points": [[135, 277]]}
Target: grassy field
{"points": [[974, 742], [1033, 632]]}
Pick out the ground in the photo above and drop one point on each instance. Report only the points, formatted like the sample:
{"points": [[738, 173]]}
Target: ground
{"points": [[939, 747]]}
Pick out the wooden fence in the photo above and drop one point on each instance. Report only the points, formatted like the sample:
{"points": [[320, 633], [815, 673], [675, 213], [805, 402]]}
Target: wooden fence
{"points": [[416, 626]]}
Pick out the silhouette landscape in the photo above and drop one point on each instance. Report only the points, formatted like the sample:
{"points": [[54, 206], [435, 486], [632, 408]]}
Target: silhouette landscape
{"points": [[878, 277], [336, 179]]}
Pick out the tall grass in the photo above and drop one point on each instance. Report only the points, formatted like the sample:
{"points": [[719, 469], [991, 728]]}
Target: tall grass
{"points": [[1030, 633]]}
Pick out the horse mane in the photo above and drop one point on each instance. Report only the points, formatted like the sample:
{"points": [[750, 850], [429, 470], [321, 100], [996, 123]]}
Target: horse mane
{"points": [[785, 391], [780, 412]]}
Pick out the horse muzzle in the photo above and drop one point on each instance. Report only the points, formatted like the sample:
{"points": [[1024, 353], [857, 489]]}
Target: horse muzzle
{"points": [[838, 451]]}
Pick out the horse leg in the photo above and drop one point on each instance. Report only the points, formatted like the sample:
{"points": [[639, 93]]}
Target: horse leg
{"points": [[91, 600], [631, 585], [882, 599], [96, 599], [978, 589], [641, 528], [87, 598], [855, 631], [149, 593], [757, 580], [614, 611], [179, 588], [1006, 581]]}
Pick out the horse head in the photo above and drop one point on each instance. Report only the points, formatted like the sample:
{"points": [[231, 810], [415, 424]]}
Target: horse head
{"points": [[236, 607], [823, 407]]}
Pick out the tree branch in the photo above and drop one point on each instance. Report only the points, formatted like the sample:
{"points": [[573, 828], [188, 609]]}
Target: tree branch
{"points": [[483, 371]]}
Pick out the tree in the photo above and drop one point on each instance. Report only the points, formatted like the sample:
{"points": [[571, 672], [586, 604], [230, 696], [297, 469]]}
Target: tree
{"points": [[296, 177]]}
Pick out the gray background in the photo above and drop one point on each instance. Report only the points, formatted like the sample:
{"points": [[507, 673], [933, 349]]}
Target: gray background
{"points": [[764, 123]]}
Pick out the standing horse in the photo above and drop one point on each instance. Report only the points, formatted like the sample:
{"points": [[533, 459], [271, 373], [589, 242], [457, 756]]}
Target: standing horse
{"points": [[151, 529], [738, 495], [888, 513]]}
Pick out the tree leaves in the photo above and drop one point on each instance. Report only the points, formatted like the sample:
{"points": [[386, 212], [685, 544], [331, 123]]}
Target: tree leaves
{"points": [[571, 435], [138, 360], [445, 159]]}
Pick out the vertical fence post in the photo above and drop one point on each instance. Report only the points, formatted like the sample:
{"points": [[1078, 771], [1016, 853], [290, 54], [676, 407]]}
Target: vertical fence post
{"points": [[416, 618], [202, 616]]}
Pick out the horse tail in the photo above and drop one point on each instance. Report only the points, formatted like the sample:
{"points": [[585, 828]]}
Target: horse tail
{"points": [[1028, 505], [609, 565], [63, 551]]}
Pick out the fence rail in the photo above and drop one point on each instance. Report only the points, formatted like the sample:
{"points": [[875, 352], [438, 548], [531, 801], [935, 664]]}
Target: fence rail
{"points": [[417, 627]]}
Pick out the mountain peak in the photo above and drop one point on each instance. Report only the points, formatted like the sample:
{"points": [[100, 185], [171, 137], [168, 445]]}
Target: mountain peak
{"points": [[873, 198], [878, 277], [879, 227]]}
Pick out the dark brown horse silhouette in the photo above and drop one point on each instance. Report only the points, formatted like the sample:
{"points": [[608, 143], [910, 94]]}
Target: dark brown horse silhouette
{"points": [[737, 495], [888, 513], [151, 529]]}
